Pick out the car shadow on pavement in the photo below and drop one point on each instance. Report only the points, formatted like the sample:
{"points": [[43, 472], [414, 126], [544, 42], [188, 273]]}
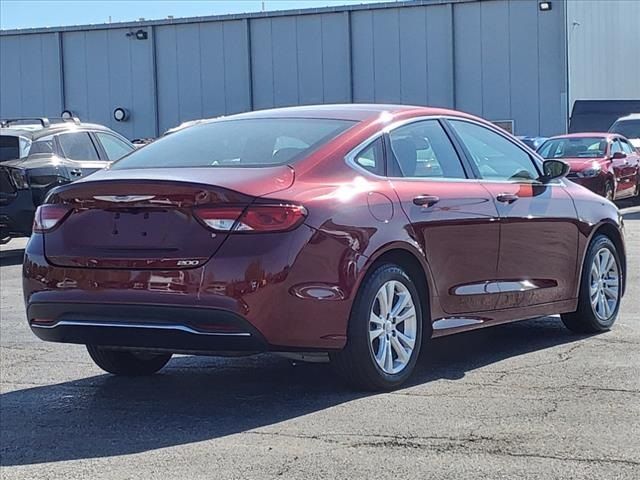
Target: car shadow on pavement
{"points": [[11, 257], [199, 398]]}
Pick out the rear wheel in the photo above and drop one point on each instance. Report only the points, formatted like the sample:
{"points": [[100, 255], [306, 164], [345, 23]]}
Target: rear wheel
{"points": [[123, 362], [385, 331], [600, 289]]}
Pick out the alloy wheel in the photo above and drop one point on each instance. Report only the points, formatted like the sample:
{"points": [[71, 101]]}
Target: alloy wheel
{"points": [[604, 284], [392, 327]]}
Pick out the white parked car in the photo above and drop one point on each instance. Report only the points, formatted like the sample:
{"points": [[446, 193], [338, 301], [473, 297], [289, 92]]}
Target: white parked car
{"points": [[629, 127]]}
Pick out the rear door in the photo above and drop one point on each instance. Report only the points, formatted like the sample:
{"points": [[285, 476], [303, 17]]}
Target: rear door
{"points": [[455, 219], [538, 227], [79, 148]]}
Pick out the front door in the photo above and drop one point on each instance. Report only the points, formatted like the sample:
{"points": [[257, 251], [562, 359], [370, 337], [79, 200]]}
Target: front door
{"points": [[628, 167], [538, 225], [454, 218]]}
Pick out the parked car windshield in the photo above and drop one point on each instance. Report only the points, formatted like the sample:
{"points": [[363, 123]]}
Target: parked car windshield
{"points": [[627, 128], [579, 147], [237, 143]]}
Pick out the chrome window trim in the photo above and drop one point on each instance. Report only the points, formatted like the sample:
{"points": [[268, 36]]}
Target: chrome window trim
{"points": [[350, 157], [181, 328]]}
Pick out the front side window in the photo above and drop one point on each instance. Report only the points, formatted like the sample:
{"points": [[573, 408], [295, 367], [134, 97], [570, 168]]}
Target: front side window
{"points": [[423, 149], [77, 146], [113, 146], [626, 147], [259, 142], [495, 157], [615, 147], [574, 147]]}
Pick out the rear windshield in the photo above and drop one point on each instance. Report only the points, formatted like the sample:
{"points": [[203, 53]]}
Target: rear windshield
{"points": [[237, 143], [579, 147], [627, 128], [9, 148]]}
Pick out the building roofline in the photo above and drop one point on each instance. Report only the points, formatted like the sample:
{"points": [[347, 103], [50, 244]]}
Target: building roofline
{"points": [[230, 16]]}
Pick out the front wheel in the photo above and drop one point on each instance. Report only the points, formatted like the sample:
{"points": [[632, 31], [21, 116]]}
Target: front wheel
{"points": [[127, 363], [608, 191], [385, 331], [600, 289]]}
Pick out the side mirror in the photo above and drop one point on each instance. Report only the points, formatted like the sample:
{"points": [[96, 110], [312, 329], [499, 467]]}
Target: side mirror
{"points": [[619, 156], [554, 169]]}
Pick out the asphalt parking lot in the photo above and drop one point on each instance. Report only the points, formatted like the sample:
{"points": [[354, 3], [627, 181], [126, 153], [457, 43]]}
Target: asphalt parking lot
{"points": [[527, 400]]}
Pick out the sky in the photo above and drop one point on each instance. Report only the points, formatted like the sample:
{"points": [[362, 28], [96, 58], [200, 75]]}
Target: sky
{"points": [[53, 13]]}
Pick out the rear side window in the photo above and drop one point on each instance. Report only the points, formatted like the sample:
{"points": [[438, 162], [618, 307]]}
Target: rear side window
{"points": [[77, 146], [371, 157], [113, 146], [9, 148], [423, 150], [43, 145], [495, 157], [259, 142]]}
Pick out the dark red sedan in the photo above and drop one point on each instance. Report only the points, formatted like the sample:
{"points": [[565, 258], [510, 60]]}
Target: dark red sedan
{"points": [[346, 232], [605, 163]]}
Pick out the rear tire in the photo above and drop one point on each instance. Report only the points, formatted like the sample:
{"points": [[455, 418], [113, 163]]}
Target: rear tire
{"points": [[126, 363], [600, 289], [384, 336]]}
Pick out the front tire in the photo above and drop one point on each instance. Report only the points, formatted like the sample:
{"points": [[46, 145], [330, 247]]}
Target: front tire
{"points": [[127, 363], [385, 331], [600, 289], [608, 192]]}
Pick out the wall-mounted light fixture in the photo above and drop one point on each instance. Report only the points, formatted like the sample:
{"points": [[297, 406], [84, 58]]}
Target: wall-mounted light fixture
{"points": [[139, 34], [67, 114], [120, 114], [544, 6]]}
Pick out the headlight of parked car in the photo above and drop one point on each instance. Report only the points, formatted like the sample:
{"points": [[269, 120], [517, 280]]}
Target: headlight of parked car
{"points": [[19, 178], [590, 172]]}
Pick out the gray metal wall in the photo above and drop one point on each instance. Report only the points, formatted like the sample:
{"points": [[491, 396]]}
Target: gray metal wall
{"points": [[501, 59], [604, 50]]}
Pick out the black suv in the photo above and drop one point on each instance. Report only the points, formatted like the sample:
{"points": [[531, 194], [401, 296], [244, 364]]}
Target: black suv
{"points": [[37, 154]]}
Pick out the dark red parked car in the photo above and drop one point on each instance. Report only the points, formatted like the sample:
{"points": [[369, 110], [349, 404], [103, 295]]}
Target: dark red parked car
{"points": [[353, 232], [605, 163]]}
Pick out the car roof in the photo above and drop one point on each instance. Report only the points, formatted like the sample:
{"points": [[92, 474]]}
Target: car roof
{"points": [[19, 130], [632, 116], [603, 135], [347, 111]]}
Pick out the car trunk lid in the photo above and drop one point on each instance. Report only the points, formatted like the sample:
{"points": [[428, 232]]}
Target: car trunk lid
{"points": [[146, 219]]}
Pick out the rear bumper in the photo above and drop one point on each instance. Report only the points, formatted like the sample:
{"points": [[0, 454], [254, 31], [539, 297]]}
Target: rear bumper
{"points": [[177, 329], [287, 291], [16, 214]]}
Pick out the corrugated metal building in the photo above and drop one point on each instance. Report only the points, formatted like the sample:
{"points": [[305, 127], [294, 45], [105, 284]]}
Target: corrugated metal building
{"points": [[500, 59]]}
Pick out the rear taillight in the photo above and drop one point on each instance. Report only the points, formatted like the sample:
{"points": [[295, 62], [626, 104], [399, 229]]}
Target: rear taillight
{"points": [[253, 219], [19, 178], [48, 217]]}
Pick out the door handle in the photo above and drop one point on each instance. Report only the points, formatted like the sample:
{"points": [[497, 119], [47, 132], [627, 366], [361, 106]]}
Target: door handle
{"points": [[76, 172], [507, 197], [425, 200]]}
